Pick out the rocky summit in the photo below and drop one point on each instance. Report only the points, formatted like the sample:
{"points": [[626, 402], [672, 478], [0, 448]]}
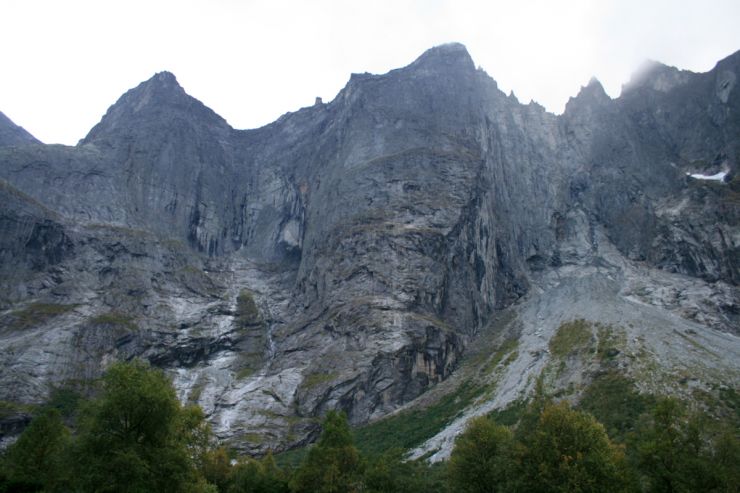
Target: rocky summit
{"points": [[420, 234]]}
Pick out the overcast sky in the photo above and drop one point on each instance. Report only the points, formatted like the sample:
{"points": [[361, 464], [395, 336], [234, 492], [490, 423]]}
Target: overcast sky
{"points": [[65, 62]]}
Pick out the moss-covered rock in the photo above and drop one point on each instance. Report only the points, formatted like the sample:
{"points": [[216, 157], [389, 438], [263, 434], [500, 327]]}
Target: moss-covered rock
{"points": [[247, 313]]}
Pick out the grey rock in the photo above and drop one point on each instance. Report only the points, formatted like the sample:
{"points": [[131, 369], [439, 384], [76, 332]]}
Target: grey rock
{"points": [[377, 236], [12, 134]]}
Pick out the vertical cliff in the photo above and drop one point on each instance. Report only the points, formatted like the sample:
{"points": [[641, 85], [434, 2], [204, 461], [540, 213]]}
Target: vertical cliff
{"points": [[349, 254]]}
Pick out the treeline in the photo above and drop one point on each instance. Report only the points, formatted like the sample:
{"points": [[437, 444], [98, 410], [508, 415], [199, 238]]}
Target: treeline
{"points": [[136, 437]]}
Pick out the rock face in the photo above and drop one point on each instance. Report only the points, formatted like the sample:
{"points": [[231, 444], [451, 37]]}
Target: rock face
{"points": [[12, 134], [346, 255]]}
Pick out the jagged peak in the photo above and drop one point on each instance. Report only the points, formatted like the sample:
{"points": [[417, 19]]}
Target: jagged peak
{"points": [[730, 63], [657, 76], [453, 48], [160, 90], [12, 134], [164, 76], [164, 80], [591, 94], [446, 56], [164, 84], [160, 94], [593, 89]]}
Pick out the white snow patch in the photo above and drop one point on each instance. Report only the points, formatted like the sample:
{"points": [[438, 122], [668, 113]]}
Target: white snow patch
{"points": [[715, 177]]}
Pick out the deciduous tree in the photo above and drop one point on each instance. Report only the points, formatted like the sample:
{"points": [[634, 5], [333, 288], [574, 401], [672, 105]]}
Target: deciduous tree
{"points": [[480, 461]]}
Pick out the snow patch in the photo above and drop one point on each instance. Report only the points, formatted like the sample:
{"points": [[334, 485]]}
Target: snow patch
{"points": [[715, 177]]}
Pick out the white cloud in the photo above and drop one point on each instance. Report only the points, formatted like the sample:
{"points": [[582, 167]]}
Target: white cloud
{"points": [[64, 63]]}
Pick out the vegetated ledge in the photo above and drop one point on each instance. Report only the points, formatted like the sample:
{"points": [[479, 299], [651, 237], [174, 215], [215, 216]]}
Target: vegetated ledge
{"points": [[35, 314]]}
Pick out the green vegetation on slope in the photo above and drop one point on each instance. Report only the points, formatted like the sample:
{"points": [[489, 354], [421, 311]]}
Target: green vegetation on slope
{"points": [[613, 399], [135, 436], [36, 314], [114, 319], [408, 429], [508, 416], [570, 338], [247, 312]]}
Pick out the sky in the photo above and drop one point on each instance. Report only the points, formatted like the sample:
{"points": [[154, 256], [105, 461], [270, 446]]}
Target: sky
{"points": [[65, 62]]}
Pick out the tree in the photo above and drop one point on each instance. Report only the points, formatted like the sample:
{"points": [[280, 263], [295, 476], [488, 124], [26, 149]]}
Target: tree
{"points": [[390, 473], [568, 451], [725, 459], [264, 476], [35, 460], [480, 461], [333, 465], [136, 437], [215, 466], [676, 451]]}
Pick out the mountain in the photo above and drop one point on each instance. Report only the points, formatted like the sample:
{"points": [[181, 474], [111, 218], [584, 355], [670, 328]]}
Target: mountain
{"points": [[12, 134], [420, 234]]}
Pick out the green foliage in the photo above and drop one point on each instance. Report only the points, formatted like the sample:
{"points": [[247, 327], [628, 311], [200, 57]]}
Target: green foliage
{"points": [[613, 399], [480, 461], [64, 399], [570, 337], [215, 466], [8, 408], [675, 453], [507, 348], [245, 372], [731, 399], [725, 459], [611, 341], [409, 429], [567, 451], [36, 460], [315, 379], [292, 459], [391, 473], [136, 436], [333, 465], [246, 309], [36, 314], [510, 415], [252, 476], [114, 319]]}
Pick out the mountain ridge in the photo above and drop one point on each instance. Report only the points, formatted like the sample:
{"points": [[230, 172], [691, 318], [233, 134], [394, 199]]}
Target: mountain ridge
{"points": [[348, 254]]}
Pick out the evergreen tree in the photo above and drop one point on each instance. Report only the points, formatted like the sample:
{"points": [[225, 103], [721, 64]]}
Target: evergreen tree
{"points": [[333, 465]]}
